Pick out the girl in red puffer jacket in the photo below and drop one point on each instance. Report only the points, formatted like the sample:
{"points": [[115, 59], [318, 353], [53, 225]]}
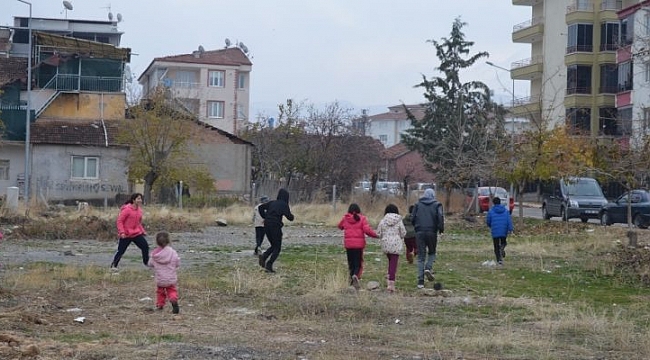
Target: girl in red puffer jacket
{"points": [[355, 227]]}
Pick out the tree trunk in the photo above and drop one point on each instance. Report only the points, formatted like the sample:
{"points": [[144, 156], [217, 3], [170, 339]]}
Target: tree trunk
{"points": [[149, 180], [632, 238]]}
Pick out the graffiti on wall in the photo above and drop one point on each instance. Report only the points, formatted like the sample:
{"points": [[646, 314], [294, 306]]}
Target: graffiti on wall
{"points": [[81, 187]]}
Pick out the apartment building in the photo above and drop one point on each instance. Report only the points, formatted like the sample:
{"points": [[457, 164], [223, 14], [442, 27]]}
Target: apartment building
{"points": [[388, 127], [633, 60], [214, 85], [573, 72]]}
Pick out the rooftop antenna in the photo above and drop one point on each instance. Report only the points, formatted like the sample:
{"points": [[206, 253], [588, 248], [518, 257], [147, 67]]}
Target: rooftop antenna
{"points": [[119, 17], [110, 14], [66, 6]]}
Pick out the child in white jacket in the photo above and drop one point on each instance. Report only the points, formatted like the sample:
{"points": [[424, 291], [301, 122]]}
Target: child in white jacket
{"points": [[391, 232]]}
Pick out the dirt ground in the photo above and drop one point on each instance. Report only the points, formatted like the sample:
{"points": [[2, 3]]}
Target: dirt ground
{"points": [[121, 323]]}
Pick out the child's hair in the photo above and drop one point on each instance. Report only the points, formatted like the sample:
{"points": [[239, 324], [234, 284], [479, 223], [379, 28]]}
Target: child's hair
{"points": [[162, 239], [355, 210], [132, 198], [496, 200], [391, 209]]}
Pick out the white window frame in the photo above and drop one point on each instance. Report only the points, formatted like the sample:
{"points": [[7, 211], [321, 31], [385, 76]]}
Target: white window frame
{"points": [[86, 171], [215, 109], [216, 81], [241, 81], [185, 79], [646, 71], [241, 114], [383, 139], [4, 169]]}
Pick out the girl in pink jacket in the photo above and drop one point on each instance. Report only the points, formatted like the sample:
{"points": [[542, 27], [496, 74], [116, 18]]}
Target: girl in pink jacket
{"points": [[355, 227], [164, 261], [130, 229]]}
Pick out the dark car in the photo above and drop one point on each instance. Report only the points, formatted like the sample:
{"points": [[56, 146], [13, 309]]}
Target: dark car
{"points": [[573, 197], [616, 212]]}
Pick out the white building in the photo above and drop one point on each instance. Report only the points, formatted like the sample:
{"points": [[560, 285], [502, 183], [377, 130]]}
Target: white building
{"points": [[388, 127]]}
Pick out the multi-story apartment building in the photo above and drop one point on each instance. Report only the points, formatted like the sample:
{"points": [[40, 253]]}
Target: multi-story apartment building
{"points": [[388, 127], [572, 70], [214, 85], [633, 60]]}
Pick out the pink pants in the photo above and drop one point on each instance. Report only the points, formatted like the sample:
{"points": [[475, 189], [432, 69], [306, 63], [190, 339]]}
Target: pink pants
{"points": [[166, 292]]}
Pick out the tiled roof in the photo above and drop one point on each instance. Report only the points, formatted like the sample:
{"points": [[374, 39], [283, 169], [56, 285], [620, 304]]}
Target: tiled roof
{"points": [[230, 56], [12, 69], [396, 151], [74, 133], [397, 112]]}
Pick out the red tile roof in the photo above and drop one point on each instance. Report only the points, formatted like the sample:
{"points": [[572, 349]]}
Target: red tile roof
{"points": [[397, 112], [230, 56], [74, 133], [396, 151], [12, 69]]}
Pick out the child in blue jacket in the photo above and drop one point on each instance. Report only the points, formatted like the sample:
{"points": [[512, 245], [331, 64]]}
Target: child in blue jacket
{"points": [[500, 223]]}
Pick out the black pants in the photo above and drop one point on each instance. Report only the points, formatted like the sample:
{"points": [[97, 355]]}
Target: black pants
{"points": [[499, 247], [140, 241], [355, 261], [274, 234], [259, 236]]}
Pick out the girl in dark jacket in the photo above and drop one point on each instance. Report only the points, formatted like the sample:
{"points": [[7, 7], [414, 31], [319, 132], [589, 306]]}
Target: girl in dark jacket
{"points": [[355, 227], [272, 212]]}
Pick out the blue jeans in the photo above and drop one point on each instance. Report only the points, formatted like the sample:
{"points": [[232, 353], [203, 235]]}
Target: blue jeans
{"points": [[427, 242]]}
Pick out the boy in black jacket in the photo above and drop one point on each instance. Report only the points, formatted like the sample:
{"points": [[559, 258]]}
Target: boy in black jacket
{"points": [[272, 212]]}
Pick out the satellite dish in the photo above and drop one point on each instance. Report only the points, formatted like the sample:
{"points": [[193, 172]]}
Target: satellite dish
{"points": [[241, 44], [110, 16], [228, 42], [244, 48], [201, 49], [119, 17], [67, 5]]}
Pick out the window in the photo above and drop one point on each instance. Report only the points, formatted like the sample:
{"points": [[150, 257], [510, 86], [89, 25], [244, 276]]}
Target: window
{"points": [[607, 121], [185, 79], [646, 120], [646, 71], [4, 169], [580, 38], [608, 36], [578, 120], [627, 30], [241, 81], [578, 79], [383, 139], [608, 79], [624, 121], [215, 109], [85, 167], [625, 76], [241, 114], [215, 78]]}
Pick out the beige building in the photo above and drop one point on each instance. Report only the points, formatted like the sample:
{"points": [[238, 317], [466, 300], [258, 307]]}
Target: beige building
{"points": [[572, 68], [214, 85]]}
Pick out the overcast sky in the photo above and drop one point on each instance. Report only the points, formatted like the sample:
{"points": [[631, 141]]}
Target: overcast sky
{"points": [[366, 54]]}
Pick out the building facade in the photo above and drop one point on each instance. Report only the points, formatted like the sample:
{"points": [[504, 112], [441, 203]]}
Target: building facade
{"points": [[387, 127], [213, 85], [573, 72]]}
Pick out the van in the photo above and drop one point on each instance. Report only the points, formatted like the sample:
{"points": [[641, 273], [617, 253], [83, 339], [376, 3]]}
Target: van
{"points": [[573, 197]]}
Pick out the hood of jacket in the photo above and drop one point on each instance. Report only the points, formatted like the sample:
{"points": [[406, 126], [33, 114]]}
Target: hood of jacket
{"points": [[392, 219], [499, 209], [163, 256], [283, 195], [428, 197]]}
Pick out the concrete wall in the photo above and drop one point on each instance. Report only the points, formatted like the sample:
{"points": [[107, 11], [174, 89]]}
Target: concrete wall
{"points": [[228, 163], [51, 173], [86, 106], [15, 153]]}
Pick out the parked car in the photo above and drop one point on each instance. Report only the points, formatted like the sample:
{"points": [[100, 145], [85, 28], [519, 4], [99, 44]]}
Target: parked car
{"points": [[616, 212], [486, 194], [417, 189], [573, 197]]}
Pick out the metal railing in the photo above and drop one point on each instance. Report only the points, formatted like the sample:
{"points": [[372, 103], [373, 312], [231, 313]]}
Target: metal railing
{"points": [[528, 23], [64, 82], [580, 5], [585, 90], [526, 62], [611, 5], [579, 48]]}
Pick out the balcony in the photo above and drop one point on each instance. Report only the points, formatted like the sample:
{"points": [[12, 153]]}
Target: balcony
{"points": [[63, 82], [529, 31], [580, 11], [525, 2], [527, 107], [611, 5], [527, 69]]}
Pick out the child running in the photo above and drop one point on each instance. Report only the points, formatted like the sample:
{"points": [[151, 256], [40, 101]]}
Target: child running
{"points": [[165, 261], [355, 227], [409, 238], [391, 231]]}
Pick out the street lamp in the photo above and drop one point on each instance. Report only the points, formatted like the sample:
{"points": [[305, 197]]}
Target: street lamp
{"points": [[29, 103], [512, 105]]}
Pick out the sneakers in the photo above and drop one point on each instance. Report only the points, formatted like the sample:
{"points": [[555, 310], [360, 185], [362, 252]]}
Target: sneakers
{"points": [[429, 275], [355, 282], [256, 251], [409, 258], [175, 308], [114, 268], [420, 286], [269, 270], [261, 261]]}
